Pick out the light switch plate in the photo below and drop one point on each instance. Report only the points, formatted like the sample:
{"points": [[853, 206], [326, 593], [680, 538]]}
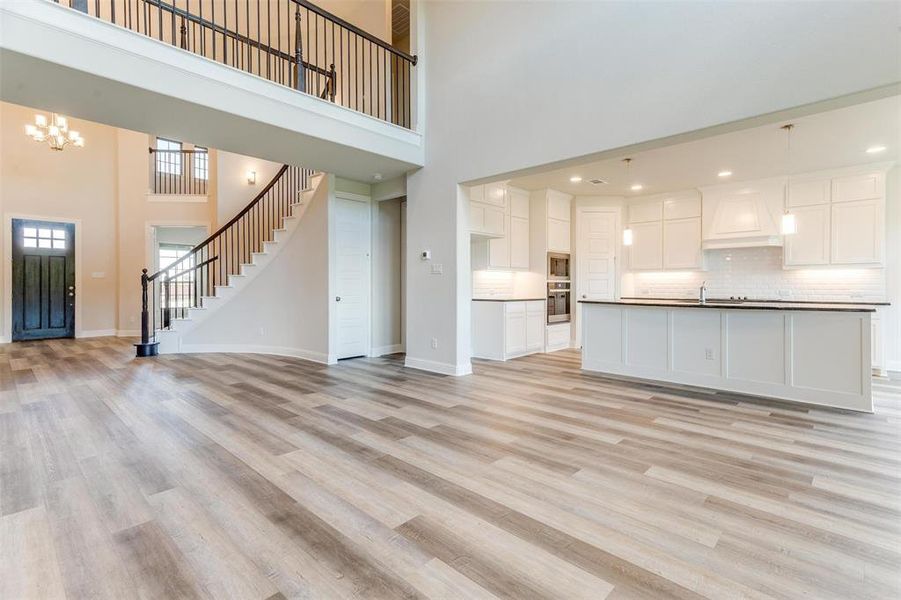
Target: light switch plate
{"points": [[98, 275]]}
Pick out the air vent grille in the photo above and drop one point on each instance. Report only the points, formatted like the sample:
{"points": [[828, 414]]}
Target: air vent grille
{"points": [[597, 181]]}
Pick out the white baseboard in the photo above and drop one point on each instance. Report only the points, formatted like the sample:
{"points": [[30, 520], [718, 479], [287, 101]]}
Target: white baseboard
{"points": [[893, 365], [383, 350], [319, 357], [439, 367], [92, 333]]}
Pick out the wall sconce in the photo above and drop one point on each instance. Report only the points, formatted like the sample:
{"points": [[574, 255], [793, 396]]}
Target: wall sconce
{"points": [[251, 177], [627, 236]]}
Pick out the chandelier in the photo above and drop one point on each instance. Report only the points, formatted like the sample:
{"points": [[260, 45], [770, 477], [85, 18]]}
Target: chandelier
{"points": [[56, 132]]}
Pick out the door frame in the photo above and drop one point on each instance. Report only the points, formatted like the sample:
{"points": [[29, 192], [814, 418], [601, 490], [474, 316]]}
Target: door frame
{"points": [[333, 262], [581, 211], [6, 335]]}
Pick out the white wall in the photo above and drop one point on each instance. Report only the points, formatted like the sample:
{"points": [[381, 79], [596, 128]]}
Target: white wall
{"points": [[185, 236], [536, 82], [233, 192], [286, 308]]}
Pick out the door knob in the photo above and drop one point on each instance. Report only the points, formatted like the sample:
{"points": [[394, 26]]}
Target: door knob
{"points": [[337, 298]]}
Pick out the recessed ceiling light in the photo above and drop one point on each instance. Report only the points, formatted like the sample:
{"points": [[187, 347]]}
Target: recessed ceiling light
{"points": [[637, 187], [875, 149], [377, 176], [575, 179], [724, 174]]}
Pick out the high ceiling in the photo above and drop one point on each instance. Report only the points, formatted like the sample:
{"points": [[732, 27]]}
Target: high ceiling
{"points": [[836, 138]]}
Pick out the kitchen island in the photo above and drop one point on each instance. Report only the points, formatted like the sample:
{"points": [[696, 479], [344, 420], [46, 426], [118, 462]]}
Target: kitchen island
{"points": [[817, 353]]}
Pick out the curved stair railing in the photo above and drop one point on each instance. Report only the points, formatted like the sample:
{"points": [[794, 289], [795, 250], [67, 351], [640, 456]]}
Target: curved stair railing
{"points": [[172, 291]]}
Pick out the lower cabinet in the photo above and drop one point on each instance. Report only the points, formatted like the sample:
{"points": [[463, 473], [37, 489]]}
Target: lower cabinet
{"points": [[558, 336], [502, 330]]}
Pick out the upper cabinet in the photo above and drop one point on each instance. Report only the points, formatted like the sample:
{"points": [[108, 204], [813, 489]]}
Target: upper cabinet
{"points": [[839, 218], [487, 218], [499, 220], [743, 215], [559, 206], [666, 232]]}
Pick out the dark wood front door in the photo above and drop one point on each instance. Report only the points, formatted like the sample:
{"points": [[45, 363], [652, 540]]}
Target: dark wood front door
{"points": [[43, 280]]}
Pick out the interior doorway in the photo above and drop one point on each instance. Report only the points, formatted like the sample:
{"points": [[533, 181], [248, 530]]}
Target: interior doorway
{"points": [[352, 277], [43, 280]]}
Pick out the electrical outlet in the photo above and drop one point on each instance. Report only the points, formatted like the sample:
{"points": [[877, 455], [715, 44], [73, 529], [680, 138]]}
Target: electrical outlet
{"points": [[434, 343], [262, 332], [708, 353], [437, 269]]}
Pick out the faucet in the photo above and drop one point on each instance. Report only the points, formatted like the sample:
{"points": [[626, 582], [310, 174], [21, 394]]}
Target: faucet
{"points": [[702, 297]]}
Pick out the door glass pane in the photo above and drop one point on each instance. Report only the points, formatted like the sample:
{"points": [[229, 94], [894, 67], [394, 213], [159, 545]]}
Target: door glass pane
{"points": [[31, 243], [42, 243], [29, 232], [59, 244], [59, 234], [44, 233]]}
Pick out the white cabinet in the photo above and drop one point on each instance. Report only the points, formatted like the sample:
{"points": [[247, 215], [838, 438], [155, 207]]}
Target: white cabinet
{"points": [[867, 186], [647, 246], [809, 245], [558, 336], [486, 218], [503, 330], [857, 232], [535, 317], [514, 328], [808, 193], [666, 232], [559, 206], [840, 218], [519, 243], [558, 237], [682, 243], [500, 215]]}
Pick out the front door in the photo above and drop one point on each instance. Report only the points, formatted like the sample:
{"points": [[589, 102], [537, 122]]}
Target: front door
{"points": [[352, 277], [43, 280]]}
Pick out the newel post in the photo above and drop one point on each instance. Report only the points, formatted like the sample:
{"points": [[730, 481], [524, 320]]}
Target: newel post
{"points": [[300, 80], [333, 80], [146, 347]]}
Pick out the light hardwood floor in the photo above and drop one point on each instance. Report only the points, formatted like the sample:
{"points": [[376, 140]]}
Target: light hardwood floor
{"points": [[250, 476]]}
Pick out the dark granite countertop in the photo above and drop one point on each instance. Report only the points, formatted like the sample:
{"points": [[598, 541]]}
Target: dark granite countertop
{"points": [[508, 299], [740, 305]]}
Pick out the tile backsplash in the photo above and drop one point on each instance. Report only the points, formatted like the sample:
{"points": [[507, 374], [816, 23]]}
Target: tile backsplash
{"points": [[507, 284], [758, 273]]}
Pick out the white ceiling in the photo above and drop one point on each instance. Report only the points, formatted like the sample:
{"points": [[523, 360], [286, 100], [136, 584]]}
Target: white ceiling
{"points": [[837, 138]]}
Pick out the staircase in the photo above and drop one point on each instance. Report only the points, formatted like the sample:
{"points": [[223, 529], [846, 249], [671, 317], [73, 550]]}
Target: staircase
{"points": [[185, 293]]}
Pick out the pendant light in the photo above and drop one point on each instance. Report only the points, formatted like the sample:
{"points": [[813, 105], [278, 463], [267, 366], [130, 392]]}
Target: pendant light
{"points": [[627, 232], [789, 223]]}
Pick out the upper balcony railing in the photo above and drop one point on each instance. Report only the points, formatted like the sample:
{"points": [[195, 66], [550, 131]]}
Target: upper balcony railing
{"points": [[291, 42]]}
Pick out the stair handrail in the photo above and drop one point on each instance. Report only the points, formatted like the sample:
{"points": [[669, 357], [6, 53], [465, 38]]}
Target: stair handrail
{"points": [[222, 229]]}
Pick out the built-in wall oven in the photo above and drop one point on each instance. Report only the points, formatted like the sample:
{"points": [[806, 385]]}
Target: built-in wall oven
{"points": [[558, 292]]}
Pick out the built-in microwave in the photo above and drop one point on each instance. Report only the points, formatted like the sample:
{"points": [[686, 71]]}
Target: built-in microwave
{"points": [[557, 266]]}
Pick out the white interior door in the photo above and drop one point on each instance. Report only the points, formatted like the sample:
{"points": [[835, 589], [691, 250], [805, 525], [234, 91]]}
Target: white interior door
{"points": [[352, 276], [596, 245], [597, 256]]}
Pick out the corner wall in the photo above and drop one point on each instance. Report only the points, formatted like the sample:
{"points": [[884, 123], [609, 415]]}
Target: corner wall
{"points": [[591, 77]]}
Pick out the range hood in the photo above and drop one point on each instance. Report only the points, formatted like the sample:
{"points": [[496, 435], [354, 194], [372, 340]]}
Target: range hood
{"points": [[743, 215]]}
